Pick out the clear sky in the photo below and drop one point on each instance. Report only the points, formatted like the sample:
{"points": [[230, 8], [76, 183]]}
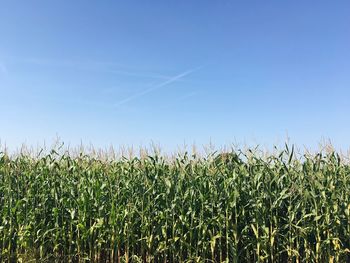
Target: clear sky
{"points": [[132, 72]]}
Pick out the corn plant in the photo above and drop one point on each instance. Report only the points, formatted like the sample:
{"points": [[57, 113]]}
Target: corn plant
{"points": [[231, 207]]}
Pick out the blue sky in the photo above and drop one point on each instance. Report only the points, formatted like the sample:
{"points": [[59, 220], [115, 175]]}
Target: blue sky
{"points": [[132, 72]]}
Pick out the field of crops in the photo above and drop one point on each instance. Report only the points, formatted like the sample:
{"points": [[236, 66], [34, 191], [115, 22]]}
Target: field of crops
{"points": [[233, 207]]}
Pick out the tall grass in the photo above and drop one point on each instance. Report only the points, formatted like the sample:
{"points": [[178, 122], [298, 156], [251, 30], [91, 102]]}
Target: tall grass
{"points": [[233, 207]]}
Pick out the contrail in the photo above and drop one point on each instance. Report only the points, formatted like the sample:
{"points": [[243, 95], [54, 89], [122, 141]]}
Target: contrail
{"points": [[153, 88]]}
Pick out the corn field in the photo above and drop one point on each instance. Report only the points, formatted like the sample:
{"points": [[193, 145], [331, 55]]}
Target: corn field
{"points": [[232, 207]]}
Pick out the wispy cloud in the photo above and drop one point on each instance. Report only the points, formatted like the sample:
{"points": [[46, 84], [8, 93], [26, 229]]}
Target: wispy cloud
{"points": [[137, 74], [156, 87], [94, 66]]}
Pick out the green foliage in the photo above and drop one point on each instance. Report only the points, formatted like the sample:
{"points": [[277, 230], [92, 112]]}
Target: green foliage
{"points": [[230, 207]]}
